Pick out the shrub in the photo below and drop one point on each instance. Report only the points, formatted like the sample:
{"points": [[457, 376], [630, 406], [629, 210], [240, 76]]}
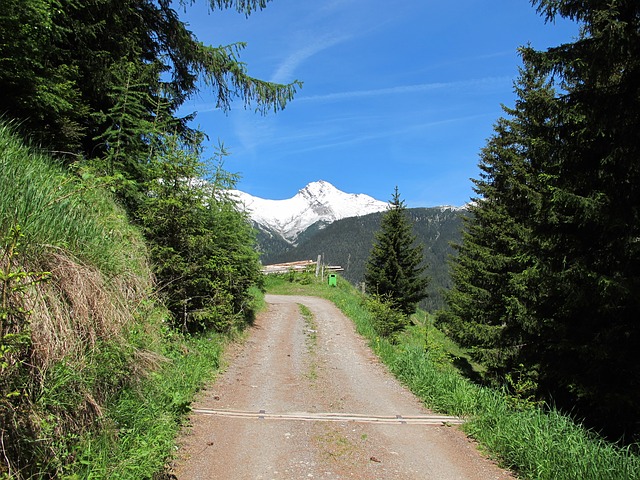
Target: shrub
{"points": [[387, 320]]}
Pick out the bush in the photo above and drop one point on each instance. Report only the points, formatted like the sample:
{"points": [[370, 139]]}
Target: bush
{"points": [[387, 321]]}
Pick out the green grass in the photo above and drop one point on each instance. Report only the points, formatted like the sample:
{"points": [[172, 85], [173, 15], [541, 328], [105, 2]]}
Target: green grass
{"points": [[85, 377], [55, 210], [534, 442], [142, 423]]}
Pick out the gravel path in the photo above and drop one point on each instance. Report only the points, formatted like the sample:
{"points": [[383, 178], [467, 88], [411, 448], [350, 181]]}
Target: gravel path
{"points": [[308, 399]]}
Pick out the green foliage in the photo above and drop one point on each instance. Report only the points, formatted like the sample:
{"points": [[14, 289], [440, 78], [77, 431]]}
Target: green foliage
{"points": [[201, 245], [395, 267], [54, 209], [39, 86], [93, 81], [65, 341], [94, 384], [487, 310], [387, 320], [548, 273], [141, 423], [99, 84]]}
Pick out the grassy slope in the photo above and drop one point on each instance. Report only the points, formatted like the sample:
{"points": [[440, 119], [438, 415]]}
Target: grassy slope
{"points": [[97, 387], [535, 443]]}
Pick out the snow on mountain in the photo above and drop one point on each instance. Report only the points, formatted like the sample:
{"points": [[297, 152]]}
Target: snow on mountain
{"points": [[317, 202]]}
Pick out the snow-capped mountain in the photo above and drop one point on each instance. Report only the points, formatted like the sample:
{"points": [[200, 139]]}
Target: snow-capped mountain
{"points": [[317, 202]]}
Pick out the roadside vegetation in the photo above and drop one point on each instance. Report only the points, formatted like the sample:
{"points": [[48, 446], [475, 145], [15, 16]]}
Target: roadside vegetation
{"points": [[77, 325], [532, 439], [123, 260], [395, 271], [96, 374], [143, 422]]}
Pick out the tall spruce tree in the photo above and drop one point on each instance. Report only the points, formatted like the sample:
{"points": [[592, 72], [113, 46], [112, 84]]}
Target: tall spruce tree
{"points": [[493, 271], [548, 276], [588, 235], [395, 268]]}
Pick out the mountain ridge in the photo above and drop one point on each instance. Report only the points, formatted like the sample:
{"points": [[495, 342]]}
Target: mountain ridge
{"points": [[318, 202], [343, 233], [314, 207]]}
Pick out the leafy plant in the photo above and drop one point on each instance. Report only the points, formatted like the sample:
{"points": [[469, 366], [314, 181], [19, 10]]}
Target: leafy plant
{"points": [[387, 320], [15, 340]]}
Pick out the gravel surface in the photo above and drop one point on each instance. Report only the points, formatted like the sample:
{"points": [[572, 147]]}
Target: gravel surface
{"points": [[266, 416]]}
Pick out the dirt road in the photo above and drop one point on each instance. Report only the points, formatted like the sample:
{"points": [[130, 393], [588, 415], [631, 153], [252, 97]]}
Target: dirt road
{"points": [[307, 399]]}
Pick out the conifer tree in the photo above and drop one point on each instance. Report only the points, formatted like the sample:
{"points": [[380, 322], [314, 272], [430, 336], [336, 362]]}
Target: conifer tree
{"points": [[549, 271], [488, 305], [588, 233], [65, 63], [395, 268]]}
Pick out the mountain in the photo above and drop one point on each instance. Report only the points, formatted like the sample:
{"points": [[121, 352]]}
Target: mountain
{"points": [[318, 204], [348, 242], [322, 220]]}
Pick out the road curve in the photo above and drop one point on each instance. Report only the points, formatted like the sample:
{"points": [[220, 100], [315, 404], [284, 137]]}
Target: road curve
{"points": [[308, 399]]}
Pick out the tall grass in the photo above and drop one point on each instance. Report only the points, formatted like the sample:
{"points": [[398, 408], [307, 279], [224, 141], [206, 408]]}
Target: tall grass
{"points": [[57, 210], [141, 425], [87, 332], [535, 442]]}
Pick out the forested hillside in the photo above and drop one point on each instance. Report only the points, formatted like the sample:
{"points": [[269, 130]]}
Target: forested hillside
{"points": [[348, 242]]}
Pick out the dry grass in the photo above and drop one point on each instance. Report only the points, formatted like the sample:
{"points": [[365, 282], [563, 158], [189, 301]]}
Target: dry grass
{"points": [[74, 311]]}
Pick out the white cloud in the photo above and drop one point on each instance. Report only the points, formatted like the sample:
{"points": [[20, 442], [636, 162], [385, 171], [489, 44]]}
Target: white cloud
{"points": [[285, 71], [402, 89]]}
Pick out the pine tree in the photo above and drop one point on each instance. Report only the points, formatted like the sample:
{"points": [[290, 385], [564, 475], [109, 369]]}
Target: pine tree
{"points": [[548, 276], [588, 236], [495, 268], [395, 267]]}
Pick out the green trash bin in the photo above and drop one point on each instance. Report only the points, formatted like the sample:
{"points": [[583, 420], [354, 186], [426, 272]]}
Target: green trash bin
{"points": [[333, 280]]}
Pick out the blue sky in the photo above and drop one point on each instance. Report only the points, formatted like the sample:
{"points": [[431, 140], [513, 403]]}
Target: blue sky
{"points": [[395, 93]]}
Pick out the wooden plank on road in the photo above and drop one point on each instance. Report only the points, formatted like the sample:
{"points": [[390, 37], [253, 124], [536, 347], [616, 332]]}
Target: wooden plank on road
{"points": [[337, 417]]}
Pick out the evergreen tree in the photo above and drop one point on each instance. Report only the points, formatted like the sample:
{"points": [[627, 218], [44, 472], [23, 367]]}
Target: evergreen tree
{"points": [[494, 270], [395, 267], [548, 277], [588, 234], [201, 245], [67, 65]]}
